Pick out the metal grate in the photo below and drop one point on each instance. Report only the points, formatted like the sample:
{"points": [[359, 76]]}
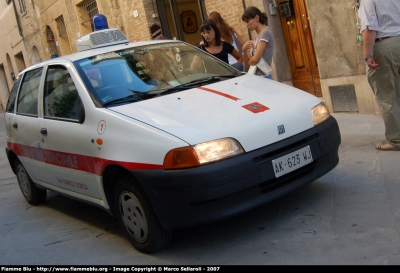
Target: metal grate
{"points": [[344, 98], [104, 37], [88, 9], [61, 26]]}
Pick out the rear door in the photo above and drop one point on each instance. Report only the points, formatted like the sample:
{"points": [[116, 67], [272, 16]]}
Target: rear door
{"points": [[24, 125]]}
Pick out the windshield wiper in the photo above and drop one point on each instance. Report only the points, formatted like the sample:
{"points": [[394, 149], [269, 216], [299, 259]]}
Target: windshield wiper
{"points": [[193, 83], [130, 98]]}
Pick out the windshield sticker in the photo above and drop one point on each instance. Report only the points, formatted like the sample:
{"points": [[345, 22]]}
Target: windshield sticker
{"points": [[174, 83], [255, 107], [218, 93], [166, 46], [105, 56], [178, 57]]}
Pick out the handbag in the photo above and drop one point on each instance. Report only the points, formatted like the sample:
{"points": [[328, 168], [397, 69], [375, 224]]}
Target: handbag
{"points": [[262, 66]]}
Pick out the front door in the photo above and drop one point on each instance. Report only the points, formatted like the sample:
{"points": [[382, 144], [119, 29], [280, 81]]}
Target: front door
{"points": [[181, 19], [66, 155], [300, 47]]}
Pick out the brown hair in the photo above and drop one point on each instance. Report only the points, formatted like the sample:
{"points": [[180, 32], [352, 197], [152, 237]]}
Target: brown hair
{"points": [[251, 13], [225, 29]]}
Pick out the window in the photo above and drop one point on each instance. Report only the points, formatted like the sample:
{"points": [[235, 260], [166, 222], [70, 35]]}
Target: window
{"points": [[61, 98], [13, 95], [61, 26], [88, 9], [28, 95], [22, 7]]}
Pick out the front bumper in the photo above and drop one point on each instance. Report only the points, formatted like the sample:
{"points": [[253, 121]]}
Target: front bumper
{"points": [[214, 191]]}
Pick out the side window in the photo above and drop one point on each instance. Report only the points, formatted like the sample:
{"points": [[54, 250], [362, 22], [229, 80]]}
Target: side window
{"points": [[13, 95], [60, 95], [27, 103]]}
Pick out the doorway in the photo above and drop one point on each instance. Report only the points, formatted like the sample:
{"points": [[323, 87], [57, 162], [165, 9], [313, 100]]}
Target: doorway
{"points": [[181, 19], [300, 46]]}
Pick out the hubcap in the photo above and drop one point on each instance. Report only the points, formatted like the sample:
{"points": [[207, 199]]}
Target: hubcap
{"points": [[133, 216], [23, 181]]}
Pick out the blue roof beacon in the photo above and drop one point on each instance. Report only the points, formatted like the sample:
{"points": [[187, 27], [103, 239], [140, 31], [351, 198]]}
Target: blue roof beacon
{"points": [[100, 22]]}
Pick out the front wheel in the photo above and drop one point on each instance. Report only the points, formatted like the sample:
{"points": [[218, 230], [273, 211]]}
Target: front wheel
{"points": [[32, 194], [138, 219]]}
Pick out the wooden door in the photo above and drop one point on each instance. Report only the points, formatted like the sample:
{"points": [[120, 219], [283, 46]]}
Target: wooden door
{"points": [[300, 47]]}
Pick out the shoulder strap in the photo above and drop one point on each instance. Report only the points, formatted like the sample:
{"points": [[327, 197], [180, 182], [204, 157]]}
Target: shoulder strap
{"points": [[237, 42], [234, 34]]}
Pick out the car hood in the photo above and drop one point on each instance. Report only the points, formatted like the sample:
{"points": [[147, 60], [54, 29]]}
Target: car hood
{"points": [[251, 109]]}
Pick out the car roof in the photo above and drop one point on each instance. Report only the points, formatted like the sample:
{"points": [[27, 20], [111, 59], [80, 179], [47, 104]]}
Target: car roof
{"points": [[92, 52]]}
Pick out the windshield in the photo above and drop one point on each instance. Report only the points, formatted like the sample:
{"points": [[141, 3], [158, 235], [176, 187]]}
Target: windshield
{"points": [[145, 72]]}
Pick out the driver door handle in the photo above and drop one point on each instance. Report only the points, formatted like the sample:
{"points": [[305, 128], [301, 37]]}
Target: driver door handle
{"points": [[43, 131], [15, 125]]}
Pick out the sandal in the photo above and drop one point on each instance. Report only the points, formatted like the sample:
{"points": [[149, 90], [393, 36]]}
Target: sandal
{"points": [[386, 146]]}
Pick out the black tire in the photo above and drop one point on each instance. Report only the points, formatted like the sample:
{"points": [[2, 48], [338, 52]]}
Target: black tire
{"points": [[32, 194], [138, 219]]}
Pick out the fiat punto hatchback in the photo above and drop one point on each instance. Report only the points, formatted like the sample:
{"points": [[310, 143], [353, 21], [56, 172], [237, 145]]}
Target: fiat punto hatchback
{"points": [[161, 141]]}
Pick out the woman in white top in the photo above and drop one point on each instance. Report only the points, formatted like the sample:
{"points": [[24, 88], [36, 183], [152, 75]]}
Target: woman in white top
{"points": [[228, 34], [262, 46]]}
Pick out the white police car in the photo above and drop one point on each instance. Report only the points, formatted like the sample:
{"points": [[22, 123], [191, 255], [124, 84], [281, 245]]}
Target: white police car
{"points": [[134, 129]]}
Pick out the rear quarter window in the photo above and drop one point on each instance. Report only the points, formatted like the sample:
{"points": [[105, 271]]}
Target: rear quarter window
{"points": [[11, 99]]}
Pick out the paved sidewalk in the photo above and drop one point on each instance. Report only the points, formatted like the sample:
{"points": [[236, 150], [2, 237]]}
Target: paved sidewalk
{"points": [[350, 216]]}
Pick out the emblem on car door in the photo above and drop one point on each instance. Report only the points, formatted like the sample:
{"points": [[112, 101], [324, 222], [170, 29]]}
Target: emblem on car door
{"points": [[281, 129]]}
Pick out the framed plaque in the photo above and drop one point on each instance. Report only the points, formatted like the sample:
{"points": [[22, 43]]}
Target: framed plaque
{"points": [[189, 22]]}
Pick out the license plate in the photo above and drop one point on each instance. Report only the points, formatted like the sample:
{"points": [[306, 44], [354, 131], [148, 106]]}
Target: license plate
{"points": [[290, 162]]}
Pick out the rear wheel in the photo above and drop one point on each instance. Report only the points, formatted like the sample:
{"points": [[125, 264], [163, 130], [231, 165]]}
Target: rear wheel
{"points": [[32, 194], [138, 219]]}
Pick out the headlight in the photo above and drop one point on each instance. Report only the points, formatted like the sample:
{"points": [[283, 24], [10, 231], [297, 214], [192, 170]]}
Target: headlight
{"points": [[217, 149], [202, 153], [320, 113]]}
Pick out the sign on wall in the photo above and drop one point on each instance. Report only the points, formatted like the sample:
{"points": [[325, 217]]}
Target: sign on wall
{"points": [[189, 22]]}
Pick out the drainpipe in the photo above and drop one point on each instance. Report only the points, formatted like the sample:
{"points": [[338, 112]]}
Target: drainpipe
{"points": [[17, 17], [244, 8]]}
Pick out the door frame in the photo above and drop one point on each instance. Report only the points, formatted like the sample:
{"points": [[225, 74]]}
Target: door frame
{"points": [[307, 77], [176, 17]]}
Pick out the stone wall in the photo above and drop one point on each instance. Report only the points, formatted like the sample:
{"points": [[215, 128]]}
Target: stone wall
{"points": [[333, 25], [138, 28], [340, 62]]}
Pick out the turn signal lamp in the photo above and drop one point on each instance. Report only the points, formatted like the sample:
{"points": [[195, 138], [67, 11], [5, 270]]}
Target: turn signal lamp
{"points": [[181, 158]]}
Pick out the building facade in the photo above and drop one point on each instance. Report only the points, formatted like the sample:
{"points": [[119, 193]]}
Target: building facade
{"points": [[315, 48], [12, 50]]}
